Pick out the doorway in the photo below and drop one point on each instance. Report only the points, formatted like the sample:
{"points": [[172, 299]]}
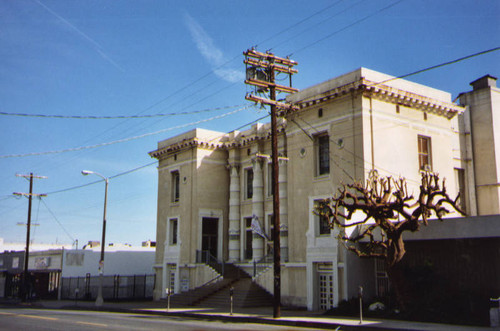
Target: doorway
{"points": [[209, 234], [325, 286]]}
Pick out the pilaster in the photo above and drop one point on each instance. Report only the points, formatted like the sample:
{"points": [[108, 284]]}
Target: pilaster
{"points": [[283, 194], [234, 213], [258, 206]]}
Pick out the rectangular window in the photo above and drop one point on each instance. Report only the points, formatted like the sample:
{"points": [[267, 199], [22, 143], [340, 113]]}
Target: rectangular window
{"points": [[15, 262], [322, 147], [382, 280], [74, 258], [173, 231], [248, 183], [322, 222], [248, 238], [424, 153], [269, 179], [175, 185]]}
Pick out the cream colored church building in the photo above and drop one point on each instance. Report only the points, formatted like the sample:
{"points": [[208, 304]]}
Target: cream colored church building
{"points": [[211, 184]]}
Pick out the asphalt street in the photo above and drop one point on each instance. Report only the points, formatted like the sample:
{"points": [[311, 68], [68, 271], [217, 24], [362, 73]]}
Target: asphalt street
{"points": [[41, 319]]}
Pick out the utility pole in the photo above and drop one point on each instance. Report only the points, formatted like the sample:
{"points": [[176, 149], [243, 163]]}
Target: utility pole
{"points": [[27, 254], [261, 72]]}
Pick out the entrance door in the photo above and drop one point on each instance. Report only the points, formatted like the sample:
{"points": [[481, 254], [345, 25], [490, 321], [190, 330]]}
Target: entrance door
{"points": [[209, 235], [325, 286]]}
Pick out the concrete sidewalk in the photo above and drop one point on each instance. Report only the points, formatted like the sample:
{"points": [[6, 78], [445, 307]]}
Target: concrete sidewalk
{"points": [[263, 315]]}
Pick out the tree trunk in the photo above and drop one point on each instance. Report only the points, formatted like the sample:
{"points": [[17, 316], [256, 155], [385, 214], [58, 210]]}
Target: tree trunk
{"points": [[398, 282], [395, 248]]}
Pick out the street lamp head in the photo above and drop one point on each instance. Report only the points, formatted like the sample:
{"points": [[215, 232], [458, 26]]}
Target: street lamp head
{"points": [[87, 172]]}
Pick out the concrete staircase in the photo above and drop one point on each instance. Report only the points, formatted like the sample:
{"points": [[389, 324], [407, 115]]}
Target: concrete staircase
{"points": [[194, 296], [246, 293]]}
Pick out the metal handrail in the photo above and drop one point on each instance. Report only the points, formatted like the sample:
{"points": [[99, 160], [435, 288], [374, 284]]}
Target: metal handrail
{"points": [[210, 260], [262, 263], [213, 280]]}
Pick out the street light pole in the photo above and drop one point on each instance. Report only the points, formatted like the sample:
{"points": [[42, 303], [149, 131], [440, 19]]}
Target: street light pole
{"points": [[99, 301]]}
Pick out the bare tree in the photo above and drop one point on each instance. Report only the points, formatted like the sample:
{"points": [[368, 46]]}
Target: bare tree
{"points": [[385, 204]]}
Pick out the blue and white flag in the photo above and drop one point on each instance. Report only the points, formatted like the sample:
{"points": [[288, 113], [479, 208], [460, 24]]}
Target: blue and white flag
{"points": [[257, 228]]}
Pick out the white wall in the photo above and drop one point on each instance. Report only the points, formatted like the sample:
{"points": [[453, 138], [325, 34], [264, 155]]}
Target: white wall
{"points": [[115, 263]]}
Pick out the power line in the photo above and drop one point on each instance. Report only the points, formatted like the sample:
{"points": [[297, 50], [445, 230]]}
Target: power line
{"points": [[319, 23], [125, 139], [440, 65], [100, 180], [348, 26], [433, 67], [138, 128], [329, 155], [300, 22], [137, 168], [133, 170], [91, 117], [284, 30], [250, 123], [55, 218]]}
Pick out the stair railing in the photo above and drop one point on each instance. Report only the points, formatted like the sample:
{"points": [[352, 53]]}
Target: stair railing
{"points": [[210, 260], [262, 264]]}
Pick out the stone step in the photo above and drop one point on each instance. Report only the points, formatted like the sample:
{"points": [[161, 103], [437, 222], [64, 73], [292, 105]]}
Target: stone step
{"points": [[246, 294]]}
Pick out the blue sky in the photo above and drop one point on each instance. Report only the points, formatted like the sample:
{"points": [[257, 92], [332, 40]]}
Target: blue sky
{"points": [[119, 58]]}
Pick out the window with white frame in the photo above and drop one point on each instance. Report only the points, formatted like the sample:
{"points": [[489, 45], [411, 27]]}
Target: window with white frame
{"points": [[248, 183], [424, 153], [322, 154], [173, 228], [322, 223], [175, 177]]}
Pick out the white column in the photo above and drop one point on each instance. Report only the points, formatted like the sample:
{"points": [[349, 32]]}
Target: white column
{"points": [[283, 191], [258, 207], [234, 213]]}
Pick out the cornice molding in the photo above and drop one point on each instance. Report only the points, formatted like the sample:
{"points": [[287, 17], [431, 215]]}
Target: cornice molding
{"points": [[183, 145], [386, 93], [236, 142]]}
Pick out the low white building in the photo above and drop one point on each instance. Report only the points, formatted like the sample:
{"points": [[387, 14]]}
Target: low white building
{"points": [[51, 267], [127, 272], [118, 260]]}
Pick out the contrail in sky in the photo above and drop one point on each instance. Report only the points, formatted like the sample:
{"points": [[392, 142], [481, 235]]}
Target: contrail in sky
{"points": [[210, 52], [98, 47]]}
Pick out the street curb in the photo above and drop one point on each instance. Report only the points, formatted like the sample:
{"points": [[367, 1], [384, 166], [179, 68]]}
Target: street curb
{"points": [[215, 317]]}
